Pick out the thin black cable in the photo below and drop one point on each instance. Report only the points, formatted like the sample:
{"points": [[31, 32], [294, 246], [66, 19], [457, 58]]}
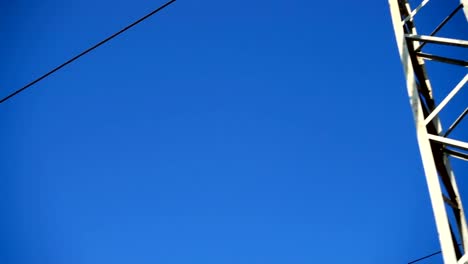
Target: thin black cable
{"points": [[85, 52], [428, 256], [425, 257]]}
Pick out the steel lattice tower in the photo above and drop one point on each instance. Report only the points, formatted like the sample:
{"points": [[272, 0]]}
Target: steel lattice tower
{"points": [[435, 145]]}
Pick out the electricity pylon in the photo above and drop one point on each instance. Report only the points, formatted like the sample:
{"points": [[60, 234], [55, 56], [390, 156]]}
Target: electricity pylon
{"points": [[435, 145]]}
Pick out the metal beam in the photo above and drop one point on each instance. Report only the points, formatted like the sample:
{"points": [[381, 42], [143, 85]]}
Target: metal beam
{"points": [[446, 99], [442, 24], [415, 11], [428, 56], [438, 40], [448, 141], [456, 154]]}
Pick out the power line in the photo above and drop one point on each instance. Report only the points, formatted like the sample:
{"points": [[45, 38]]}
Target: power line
{"points": [[425, 257], [85, 52], [428, 256]]}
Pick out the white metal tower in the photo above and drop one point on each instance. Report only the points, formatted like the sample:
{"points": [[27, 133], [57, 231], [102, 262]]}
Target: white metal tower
{"points": [[435, 145]]}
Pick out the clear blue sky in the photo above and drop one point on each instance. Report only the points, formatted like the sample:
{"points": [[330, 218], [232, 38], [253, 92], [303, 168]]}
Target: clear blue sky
{"points": [[215, 132]]}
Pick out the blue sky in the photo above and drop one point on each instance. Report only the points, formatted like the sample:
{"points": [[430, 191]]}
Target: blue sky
{"points": [[214, 132]]}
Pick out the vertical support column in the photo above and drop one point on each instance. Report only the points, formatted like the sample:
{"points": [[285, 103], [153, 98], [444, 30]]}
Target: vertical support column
{"points": [[437, 168]]}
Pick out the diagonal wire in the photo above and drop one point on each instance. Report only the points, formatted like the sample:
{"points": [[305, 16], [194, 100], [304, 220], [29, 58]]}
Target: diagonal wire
{"points": [[85, 52], [428, 256], [425, 257]]}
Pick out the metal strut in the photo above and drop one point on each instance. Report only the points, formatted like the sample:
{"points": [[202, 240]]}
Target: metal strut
{"points": [[434, 145]]}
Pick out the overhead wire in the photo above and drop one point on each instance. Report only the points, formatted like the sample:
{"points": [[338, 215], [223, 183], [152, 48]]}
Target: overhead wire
{"points": [[11, 95], [428, 256], [425, 257]]}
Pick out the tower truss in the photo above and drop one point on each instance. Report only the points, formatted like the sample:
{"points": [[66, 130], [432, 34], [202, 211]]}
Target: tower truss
{"points": [[436, 145]]}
